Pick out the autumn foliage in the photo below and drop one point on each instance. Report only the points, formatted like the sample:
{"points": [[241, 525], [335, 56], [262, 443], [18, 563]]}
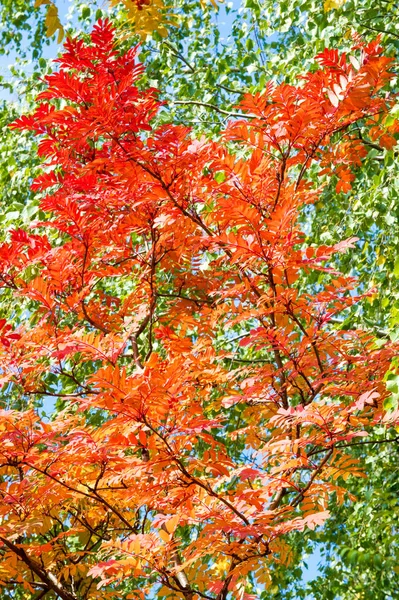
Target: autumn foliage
{"points": [[205, 393]]}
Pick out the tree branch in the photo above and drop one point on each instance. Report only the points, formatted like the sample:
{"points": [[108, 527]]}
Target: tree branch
{"points": [[46, 576], [216, 108]]}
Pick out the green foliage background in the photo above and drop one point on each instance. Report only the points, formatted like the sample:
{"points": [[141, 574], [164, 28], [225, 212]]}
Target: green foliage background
{"points": [[208, 61]]}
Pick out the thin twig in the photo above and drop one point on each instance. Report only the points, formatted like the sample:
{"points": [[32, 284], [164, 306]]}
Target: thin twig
{"points": [[216, 108]]}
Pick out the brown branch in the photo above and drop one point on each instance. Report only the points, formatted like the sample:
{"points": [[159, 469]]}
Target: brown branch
{"points": [[93, 496], [134, 339], [41, 594], [103, 536], [305, 333], [367, 442], [276, 351], [319, 468], [215, 108], [380, 333], [179, 55], [277, 501], [280, 179], [91, 321], [193, 479], [196, 301], [46, 576], [387, 31]]}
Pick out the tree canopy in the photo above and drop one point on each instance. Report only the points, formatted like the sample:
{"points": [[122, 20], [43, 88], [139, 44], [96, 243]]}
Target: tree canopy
{"points": [[201, 281]]}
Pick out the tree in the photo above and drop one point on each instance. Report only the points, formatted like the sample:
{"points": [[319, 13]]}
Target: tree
{"points": [[363, 553], [207, 76], [205, 397], [202, 77]]}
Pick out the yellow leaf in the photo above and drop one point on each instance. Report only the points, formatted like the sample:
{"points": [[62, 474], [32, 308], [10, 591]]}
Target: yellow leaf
{"points": [[134, 545], [380, 260], [146, 16], [371, 298], [165, 537], [47, 524], [221, 566], [53, 22], [41, 2], [172, 524], [333, 4]]}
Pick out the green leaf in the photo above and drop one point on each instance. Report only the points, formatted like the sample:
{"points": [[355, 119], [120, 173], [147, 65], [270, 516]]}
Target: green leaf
{"points": [[220, 176]]}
